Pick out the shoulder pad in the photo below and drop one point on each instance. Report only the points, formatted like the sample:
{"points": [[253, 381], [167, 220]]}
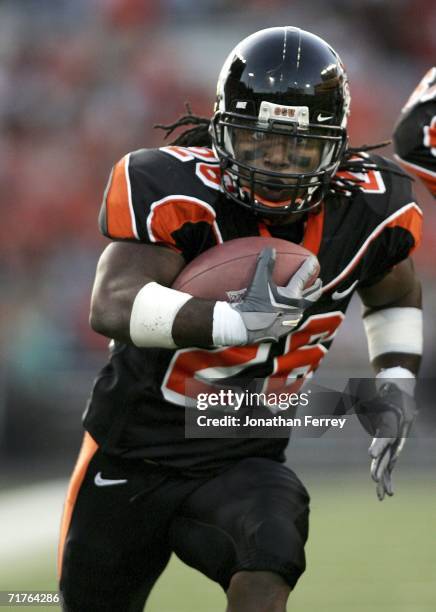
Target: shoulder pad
{"points": [[385, 199], [152, 194], [414, 140], [423, 92]]}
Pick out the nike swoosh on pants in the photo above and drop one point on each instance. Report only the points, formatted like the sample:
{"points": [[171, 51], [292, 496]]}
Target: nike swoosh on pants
{"points": [[107, 482]]}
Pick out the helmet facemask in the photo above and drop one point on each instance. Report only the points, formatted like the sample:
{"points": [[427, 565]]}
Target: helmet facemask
{"points": [[277, 163]]}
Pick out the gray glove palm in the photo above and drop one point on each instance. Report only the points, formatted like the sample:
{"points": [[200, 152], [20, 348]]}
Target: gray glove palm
{"points": [[270, 312]]}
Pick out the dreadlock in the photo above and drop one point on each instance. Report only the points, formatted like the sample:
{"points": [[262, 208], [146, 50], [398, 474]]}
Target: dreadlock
{"points": [[353, 160], [197, 136]]}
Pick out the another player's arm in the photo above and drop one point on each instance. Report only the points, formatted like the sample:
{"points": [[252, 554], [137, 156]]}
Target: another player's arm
{"points": [[123, 270], [132, 302]]}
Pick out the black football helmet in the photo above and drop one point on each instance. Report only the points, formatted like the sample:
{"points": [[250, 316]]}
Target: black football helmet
{"points": [[279, 128]]}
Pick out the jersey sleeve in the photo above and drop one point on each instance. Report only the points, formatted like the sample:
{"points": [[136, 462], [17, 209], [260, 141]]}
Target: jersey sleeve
{"points": [[396, 233], [414, 135], [118, 219], [149, 199]]}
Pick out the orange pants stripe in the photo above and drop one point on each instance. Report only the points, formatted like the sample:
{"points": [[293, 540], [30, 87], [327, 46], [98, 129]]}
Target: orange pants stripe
{"points": [[87, 451]]}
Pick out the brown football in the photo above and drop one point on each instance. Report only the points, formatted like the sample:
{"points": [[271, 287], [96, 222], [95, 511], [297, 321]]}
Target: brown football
{"points": [[224, 270]]}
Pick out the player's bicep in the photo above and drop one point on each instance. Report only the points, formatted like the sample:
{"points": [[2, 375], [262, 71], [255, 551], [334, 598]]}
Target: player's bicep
{"points": [[398, 288], [122, 270]]}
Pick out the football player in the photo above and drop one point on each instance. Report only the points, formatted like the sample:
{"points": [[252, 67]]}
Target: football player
{"points": [[273, 161], [415, 132]]}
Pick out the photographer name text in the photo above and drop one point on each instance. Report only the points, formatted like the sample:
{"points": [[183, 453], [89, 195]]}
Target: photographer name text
{"points": [[273, 421]]}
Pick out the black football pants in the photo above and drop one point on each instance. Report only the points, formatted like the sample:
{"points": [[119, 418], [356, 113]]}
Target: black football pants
{"points": [[124, 518]]}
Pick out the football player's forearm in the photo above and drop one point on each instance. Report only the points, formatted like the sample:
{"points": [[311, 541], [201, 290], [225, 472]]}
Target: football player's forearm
{"points": [[193, 324], [162, 317], [392, 360], [398, 328], [409, 302], [153, 315], [122, 271], [111, 308], [412, 299], [393, 319], [111, 316], [399, 288], [397, 325]]}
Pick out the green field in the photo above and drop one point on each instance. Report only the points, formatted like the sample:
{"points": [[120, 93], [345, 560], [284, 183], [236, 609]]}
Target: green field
{"points": [[363, 556]]}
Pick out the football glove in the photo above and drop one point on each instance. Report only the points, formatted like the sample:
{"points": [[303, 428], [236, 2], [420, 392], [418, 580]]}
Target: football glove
{"points": [[270, 312], [388, 417]]}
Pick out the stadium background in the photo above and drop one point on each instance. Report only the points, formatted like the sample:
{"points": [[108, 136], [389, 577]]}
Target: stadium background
{"points": [[81, 83]]}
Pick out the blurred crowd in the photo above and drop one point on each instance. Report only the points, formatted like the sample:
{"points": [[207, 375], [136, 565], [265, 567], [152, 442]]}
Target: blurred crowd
{"points": [[83, 81]]}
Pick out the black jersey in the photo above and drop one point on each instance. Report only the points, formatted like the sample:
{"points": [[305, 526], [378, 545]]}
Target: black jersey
{"points": [[172, 196], [415, 132]]}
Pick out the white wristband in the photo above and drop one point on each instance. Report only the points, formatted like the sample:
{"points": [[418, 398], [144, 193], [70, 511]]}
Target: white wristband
{"points": [[394, 330], [402, 377], [228, 326], [153, 312]]}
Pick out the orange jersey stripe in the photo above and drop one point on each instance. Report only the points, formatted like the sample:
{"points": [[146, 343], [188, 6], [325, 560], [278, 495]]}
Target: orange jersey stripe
{"points": [[87, 451], [120, 219], [263, 230], [312, 231], [430, 184], [411, 220]]}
